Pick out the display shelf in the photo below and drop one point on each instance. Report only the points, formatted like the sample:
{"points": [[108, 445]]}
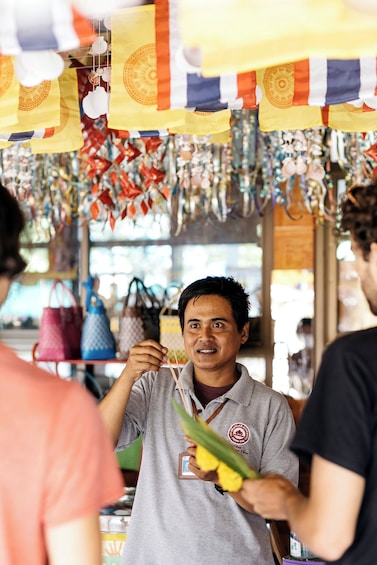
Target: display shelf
{"points": [[77, 362], [83, 361]]}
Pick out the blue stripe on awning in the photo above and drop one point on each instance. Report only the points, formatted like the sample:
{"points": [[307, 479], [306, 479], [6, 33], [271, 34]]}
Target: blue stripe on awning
{"points": [[201, 90], [343, 81], [34, 27], [21, 136]]}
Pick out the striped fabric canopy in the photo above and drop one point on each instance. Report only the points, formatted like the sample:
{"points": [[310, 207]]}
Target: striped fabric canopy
{"points": [[42, 24], [321, 82], [180, 86], [154, 91]]}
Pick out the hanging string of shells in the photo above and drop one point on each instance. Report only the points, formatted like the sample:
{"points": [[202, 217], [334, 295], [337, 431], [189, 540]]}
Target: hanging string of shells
{"points": [[188, 177]]}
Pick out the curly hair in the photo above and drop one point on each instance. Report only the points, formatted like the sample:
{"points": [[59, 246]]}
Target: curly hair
{"points": [[11, 224], [226, 287], [358, 216]]}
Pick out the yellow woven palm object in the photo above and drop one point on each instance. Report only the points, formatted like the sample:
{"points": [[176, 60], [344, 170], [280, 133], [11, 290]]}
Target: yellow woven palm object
{"points": [[229, 480], [231, 466]]}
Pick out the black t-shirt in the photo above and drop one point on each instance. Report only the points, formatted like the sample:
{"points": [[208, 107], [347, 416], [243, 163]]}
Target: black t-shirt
{"points": [[339, 423]]}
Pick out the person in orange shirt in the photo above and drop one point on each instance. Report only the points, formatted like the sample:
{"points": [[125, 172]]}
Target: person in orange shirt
{"points": [[58, 468]]}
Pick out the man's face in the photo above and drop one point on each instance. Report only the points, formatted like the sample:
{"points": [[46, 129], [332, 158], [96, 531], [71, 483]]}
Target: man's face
{"points": [[211, 336], [367, 271]]}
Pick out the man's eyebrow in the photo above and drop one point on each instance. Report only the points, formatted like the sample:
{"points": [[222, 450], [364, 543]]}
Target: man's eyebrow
{"points": [[217, 319]]}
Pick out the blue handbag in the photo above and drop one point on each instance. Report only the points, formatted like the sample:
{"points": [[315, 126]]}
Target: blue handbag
{"points": [[97, 340]]}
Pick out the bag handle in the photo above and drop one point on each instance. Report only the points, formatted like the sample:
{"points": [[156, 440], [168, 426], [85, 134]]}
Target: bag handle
{"points": [[135, 282], [66, 290], [90, 293], [167, 308], [144, 296]]}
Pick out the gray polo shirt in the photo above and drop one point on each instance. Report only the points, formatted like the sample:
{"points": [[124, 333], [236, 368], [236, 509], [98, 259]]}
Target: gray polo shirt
{"points": [[187, 522]]}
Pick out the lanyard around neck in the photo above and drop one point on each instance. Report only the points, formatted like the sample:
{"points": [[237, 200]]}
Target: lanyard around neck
{"points": [[215, 413]]}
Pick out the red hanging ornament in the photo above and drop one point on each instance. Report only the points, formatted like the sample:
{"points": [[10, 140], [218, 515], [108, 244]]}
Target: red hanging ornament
{"points": [[94, 209], [113, 177], [130, 190], [131, 152], [132, 210], [112, 221], [165, 192], [151, 175], [97, 166], [106, 199], [152, 143], [144, 207], [372, 152], [122, 153]]}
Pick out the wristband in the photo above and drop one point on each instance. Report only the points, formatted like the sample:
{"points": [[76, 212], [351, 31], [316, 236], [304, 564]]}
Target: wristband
{"points": [[219, 489]]}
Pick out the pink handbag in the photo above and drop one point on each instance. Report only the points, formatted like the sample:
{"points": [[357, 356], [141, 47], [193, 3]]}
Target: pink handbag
{"points": [[60, 327]]}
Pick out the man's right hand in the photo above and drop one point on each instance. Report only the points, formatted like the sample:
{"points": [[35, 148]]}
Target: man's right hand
{"points": [[145, 356]]}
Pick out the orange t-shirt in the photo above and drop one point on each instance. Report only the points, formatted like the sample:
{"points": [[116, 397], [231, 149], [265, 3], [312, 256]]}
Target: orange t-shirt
{"points": [[57, 460]]}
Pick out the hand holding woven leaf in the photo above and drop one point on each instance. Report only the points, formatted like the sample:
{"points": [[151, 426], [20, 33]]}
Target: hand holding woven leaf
{"points": [[203, 435], [205, 459], [228, 479]]}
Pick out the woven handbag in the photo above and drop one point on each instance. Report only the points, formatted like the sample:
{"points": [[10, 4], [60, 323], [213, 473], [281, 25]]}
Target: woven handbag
{"points": [[60, 326], [97, 340], [140, 317]]}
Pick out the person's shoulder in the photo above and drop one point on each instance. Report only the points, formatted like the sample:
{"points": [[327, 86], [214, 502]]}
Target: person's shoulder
{"points": [[252, 383], [355, 341], [267, 392], [264, 391], [25, 373]]}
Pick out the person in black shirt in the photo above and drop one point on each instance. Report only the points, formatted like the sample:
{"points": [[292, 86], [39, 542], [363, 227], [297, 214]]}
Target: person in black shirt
{"points": [[337, 433]]}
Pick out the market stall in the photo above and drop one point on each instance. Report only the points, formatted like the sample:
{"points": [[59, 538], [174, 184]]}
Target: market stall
{"points": [[155, 109]]}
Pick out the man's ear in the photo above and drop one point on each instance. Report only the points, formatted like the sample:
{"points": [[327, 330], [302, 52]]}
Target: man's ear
{"points": [[245, 333]]}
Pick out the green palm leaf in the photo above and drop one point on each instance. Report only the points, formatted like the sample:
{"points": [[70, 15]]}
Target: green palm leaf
{"points": [[200, 433]]}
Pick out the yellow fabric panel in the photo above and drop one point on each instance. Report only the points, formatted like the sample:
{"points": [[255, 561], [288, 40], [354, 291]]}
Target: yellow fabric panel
{"points": [[9, 92], [68, 135], [133, 101], [204, 123], [275, 107], [38, 107], [242, 35], [346, 117]]}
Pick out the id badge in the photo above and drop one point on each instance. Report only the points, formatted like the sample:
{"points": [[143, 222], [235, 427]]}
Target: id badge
{"points": [[183, 470]]}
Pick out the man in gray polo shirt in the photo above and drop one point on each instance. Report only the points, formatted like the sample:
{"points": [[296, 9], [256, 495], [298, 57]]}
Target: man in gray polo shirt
{"points": [[179, 516]]}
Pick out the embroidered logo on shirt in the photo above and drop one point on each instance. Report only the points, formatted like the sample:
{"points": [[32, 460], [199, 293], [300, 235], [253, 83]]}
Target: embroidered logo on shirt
{"points": [[239, 434]]}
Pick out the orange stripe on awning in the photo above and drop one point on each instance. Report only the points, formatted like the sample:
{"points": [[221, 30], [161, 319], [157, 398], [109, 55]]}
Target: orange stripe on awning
{"points": [[162, 34], [246, 84], [301, 82], [325, 115], [83, 28], [49, 132]]}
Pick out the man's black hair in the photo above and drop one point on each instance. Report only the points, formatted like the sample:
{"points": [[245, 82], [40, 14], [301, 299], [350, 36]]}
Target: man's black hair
{"points": [[226, 287]]}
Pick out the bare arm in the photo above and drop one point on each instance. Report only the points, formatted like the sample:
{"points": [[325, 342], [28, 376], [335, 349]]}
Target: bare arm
{"points": [[145, 356], [76, 543], [326, 521]]}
